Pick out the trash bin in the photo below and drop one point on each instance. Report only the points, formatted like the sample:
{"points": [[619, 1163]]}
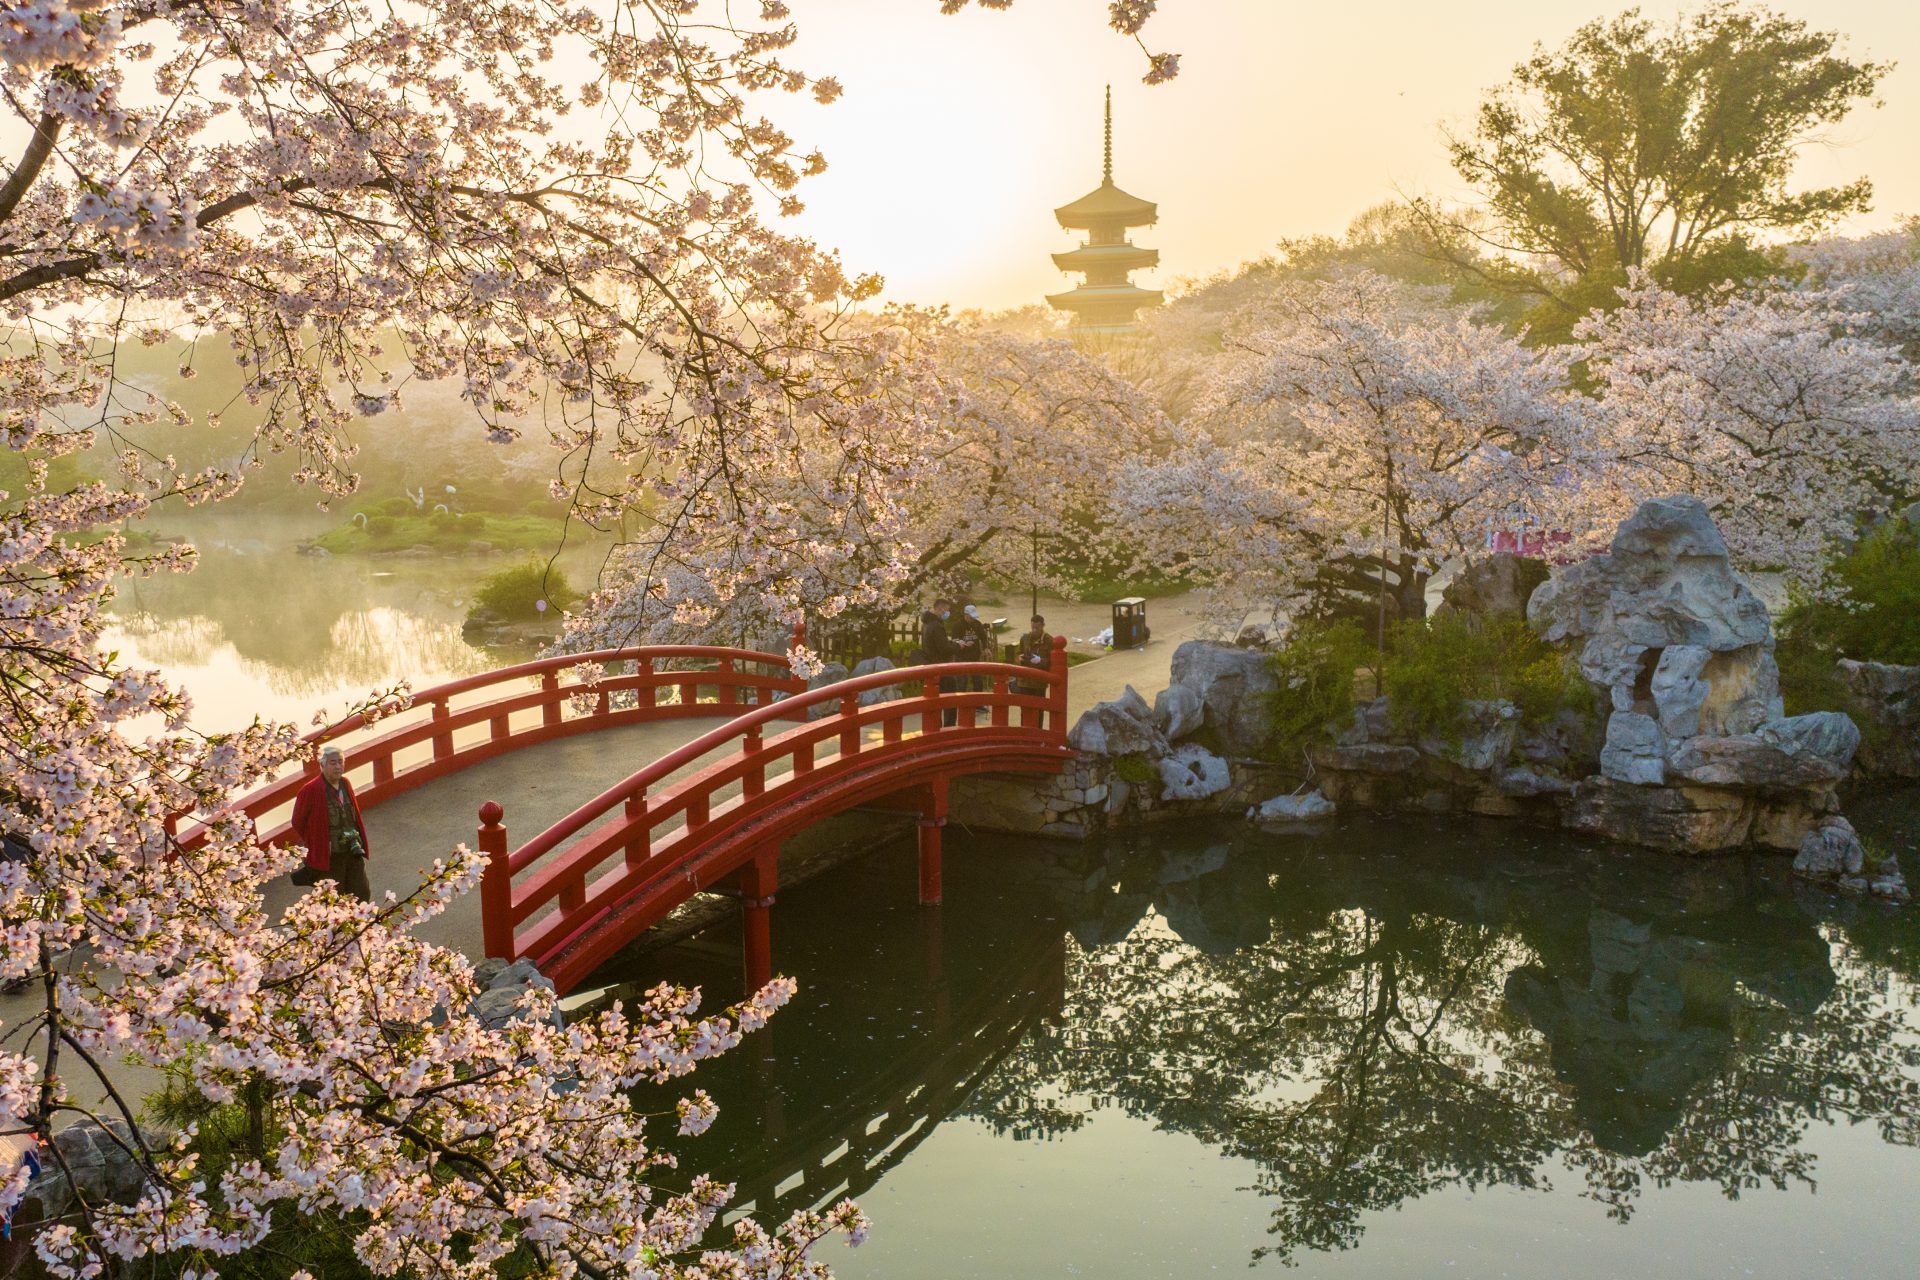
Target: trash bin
{"points": [[1130, 623]]}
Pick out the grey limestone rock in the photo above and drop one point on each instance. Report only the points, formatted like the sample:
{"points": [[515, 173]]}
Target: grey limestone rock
{"points": [[1120, 727], [1828, 736], [831, 673], [1677, 689], [1830, 852], [1191, 772], [1887, 698], [1749, 762], [872, 667], [1636, 750], [1492, 728], [1288, 810], [1232, 685], [1178, 712], [1666, 583]]}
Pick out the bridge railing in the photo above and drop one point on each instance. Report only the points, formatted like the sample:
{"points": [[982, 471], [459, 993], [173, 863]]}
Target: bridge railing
{"points": [[462, 722], [563, 881]]}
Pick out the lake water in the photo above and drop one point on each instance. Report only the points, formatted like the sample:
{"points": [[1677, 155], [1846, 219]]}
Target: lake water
{"points": [[1391, 1049], [260, 629]]}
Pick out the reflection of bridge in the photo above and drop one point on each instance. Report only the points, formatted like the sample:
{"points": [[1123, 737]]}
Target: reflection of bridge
{"points": [[707, 816], [850, 1142]]}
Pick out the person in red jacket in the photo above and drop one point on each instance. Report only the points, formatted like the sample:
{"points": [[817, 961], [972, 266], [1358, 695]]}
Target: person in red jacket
{"points": [[326, 819]]}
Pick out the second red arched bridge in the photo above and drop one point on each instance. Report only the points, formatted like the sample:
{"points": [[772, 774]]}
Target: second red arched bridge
{"points": [[707, 814]]}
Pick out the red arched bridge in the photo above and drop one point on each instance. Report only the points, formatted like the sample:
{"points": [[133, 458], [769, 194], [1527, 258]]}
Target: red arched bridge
{"points": [[709, 815]]}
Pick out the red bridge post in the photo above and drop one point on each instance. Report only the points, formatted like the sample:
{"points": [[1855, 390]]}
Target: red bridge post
{"points": [[758, 879], [496, 885], [933, 819]]}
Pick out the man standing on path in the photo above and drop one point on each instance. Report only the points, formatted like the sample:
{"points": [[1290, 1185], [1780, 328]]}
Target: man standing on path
{"points": [[326, 819]]}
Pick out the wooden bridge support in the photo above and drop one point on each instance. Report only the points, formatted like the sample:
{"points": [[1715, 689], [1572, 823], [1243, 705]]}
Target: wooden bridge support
{"points": [[933, 820], [757, 881]]}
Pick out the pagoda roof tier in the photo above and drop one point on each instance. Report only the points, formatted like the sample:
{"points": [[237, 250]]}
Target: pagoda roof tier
{"points": [[1107, 205], [1091, 257], [1106, 295]]}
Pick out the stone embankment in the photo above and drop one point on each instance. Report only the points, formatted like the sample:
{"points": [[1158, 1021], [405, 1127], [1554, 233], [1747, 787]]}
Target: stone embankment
{"points": [[1687, 748]]}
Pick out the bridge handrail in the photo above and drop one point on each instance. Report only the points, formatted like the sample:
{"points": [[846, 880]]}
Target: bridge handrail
{"points": [[785, 709], [563, 662], [551, 697]]}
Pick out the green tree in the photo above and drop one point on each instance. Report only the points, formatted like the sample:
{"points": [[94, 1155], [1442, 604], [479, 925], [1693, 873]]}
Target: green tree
{"points": [[1670, 149]]}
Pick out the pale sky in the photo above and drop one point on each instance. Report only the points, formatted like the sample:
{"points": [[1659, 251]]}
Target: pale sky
{"points": [[958, 135]]}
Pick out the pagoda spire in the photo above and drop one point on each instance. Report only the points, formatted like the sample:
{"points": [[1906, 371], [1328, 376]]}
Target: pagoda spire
{"points": [[1106, 171], [1107, 301]]}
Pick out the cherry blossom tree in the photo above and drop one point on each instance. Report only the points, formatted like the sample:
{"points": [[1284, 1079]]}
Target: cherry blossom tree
{"points": [[1768, 404], [1001, 459], [556, 209], [1354, 427], [1880, 277]]}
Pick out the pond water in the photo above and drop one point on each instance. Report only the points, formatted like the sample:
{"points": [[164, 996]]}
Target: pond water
{"points": [[258, 628], [1389, 1049]]}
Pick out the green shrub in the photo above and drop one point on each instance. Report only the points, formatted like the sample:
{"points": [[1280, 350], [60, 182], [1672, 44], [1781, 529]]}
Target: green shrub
{"points": [[1314, 672], [512, 593], [1874, 618], [1435, 668], [381, 526], [1135, 767]]}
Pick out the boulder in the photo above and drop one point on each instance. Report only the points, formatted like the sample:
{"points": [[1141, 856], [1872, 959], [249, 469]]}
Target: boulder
{"points": [[1666, 582], [1191, 772], [1830, 852], [1830, 737], [1678, 819], [1285, 811], [1678, 691], [1120, 727], [1487, 740], [1636, 750], [1748, 761], [1885, 699], [831, 673], [873, 667], [1500, 583], [1233, 685], [1178, 712]]}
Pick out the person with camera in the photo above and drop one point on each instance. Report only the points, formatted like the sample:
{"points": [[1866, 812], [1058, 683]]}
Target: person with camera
{"points": [[326, 819]]}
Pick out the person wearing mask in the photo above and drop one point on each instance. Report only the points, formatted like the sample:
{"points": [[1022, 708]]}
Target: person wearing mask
{"points": [[936, 645], [1035, 654], [326, 819]]}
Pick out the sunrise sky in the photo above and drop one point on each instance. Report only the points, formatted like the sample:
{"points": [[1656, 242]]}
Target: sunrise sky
{"points": [[958, 135]]}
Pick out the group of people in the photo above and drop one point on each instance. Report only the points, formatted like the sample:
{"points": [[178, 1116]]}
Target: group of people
{"points": [[945, 637]]}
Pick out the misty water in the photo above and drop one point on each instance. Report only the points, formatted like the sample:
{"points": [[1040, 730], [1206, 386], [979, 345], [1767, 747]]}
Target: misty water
{"points": [[1388, 1049], [261, 628]]}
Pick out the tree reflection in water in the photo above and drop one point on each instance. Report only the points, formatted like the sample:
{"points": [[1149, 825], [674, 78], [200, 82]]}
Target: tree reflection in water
{"points": [[1384, 1012]]}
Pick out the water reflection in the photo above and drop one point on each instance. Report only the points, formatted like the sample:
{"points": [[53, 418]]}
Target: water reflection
{"points": [[1364, 1018], [259, 628]]}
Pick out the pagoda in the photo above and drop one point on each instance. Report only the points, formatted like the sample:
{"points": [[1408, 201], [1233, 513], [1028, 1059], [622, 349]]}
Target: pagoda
{"points": [[1106, 302]]}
